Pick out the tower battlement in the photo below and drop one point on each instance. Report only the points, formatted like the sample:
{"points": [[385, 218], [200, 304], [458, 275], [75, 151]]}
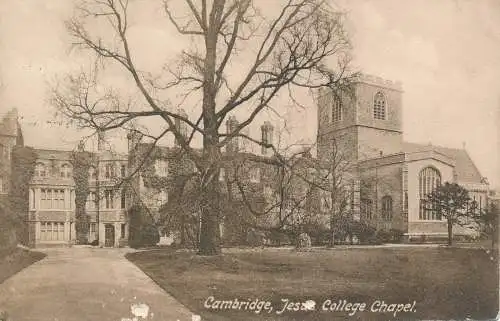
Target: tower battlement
{"points": [[379, 81]]}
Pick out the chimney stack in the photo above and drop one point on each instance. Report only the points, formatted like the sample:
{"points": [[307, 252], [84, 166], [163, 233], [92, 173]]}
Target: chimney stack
{"points": [[267, 137], [181, 126], [100, 140], [231, 125]]}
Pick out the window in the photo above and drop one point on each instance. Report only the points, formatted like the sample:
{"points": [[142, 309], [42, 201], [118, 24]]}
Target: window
{"points": [[109, 171], [222, 175], [161, 167], [379, 106], [123, 199], [336, 109], [405, 202], [122, 231], [91, 201], [40, 170], [161, 198], [1, 184], [65, 171], [268, 192], [387, 208], [123, 170], [92, 173], [92, 231], [366, 208], [428, 179], [255, 175], [109, 198], [52, 198], [52, 231]]}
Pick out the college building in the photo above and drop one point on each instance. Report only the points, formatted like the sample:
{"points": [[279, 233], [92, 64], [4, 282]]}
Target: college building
{"points": [[392, 176], [54, 191]]}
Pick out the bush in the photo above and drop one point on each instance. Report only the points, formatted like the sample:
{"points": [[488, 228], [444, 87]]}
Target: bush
{"points": [[278, 238], [383, 236], [148, 236], [256, 238], [366, 234], [396, 235]]}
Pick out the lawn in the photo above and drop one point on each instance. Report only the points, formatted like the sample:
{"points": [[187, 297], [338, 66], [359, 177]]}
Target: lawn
{"points": [[14, 260], [429, 283]]}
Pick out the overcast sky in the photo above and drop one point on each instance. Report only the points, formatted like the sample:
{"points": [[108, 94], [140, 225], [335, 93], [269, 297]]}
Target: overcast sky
{"points": [[446, 53]]}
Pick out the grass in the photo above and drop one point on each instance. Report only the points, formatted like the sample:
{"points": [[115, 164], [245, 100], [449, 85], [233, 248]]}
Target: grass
{"points": [[446, 283], [16, 259]]}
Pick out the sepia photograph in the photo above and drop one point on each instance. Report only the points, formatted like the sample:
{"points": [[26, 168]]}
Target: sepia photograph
{"points": [[240, 160]]}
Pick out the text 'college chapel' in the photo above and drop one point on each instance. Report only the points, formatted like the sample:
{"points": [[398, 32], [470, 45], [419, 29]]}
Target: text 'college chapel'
{"points": [[392, 176]]}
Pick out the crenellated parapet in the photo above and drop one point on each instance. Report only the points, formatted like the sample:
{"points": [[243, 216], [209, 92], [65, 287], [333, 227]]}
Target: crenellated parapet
{"points": [[379, 81]]}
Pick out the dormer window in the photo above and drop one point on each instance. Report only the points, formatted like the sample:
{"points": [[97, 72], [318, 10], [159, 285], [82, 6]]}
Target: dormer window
{"points": [[109, 171], [40, 170], [379, 105], [65, 171]]}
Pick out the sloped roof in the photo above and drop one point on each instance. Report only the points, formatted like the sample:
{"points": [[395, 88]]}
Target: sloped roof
{"points": [[465, 168]]}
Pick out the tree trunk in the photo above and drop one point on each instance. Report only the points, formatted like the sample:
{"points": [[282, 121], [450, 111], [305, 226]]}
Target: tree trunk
{"points": [[332, 233], [450, 233], [209, 236], [210, 207]]}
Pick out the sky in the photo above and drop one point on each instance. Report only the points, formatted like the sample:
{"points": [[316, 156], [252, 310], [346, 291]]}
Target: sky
{"points": [[446, 54]]}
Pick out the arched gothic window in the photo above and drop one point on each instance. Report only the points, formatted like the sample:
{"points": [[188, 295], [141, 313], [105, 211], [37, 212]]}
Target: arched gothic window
{"points": [[379, 106], [428, 179], [336, 109], [387, 208]]}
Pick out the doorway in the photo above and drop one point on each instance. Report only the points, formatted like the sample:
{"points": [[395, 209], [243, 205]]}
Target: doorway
{"points": [[109, 235]]}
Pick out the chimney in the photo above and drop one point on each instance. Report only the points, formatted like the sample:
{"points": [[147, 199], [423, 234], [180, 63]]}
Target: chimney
{"points": [[267, 137], [134, 137], [231, 125], [100, 140], [181, 126]]}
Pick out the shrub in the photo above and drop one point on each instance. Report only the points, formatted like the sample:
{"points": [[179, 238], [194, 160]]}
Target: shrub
{"points": [[278, 238], [365, 233], [148, 236], [396, 235], [383, 236]]}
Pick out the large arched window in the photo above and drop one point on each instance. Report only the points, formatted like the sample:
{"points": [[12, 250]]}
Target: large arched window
{"points": [[387, 208], [428, 179], [336, 109], [379, 105]]}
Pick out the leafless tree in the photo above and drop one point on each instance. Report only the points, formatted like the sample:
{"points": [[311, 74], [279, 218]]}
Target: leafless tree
{"points": [[288, 51]]}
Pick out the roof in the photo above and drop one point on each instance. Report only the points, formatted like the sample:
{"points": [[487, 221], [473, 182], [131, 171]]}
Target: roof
{"points": [[465, 168], [9, 123]]}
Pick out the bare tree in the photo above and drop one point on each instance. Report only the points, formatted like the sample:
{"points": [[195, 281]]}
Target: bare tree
{"points": [[290, 51]]}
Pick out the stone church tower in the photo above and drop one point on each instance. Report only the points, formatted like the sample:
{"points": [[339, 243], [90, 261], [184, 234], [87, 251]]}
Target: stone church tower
{"points": [[363, 124]]}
